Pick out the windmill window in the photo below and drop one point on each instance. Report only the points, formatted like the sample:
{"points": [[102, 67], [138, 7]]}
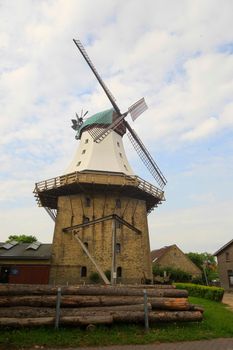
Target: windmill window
{"points": [[118, 248], [85, 219], [84, 151], [118, 224], [87, 202], [83, 271], [118, 144], [125, 167], [86, 141], [78, 163], [118, 203], [86, 244], [120, 155], [119, 271]]}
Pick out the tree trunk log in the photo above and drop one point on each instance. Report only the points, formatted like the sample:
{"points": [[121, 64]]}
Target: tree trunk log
{"points": [[88, 301], [30, 312], [14, 289], [129, 316]]}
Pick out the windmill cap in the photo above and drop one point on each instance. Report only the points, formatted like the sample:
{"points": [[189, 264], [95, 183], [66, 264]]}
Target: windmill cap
{"points": [[100, 119]]}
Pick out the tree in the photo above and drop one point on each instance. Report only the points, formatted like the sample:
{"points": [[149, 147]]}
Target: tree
{"points": [[206, 263], [22, 238]]}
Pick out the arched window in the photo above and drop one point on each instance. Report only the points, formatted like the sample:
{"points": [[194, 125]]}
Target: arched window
{"points": [[83, 271], [119, 271], [118, 203], [118, 248], [86, 244], [85, 219], [87, 201]]}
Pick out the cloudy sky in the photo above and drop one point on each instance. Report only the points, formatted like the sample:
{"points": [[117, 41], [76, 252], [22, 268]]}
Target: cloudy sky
{"points": [[177, 54]]}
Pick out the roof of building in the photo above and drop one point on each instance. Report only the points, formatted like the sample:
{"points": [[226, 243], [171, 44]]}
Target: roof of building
{"points": [[101, 118], [223, 247], [158, 253], [24, 251]]}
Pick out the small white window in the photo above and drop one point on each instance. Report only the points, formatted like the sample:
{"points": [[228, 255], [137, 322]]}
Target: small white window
{"points": [[125, 167], [118, 144], [84, 151], [86, 141], [78, 163], [120, 155]]}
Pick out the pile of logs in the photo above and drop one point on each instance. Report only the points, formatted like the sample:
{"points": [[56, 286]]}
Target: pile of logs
{"points": [[36, 305]]}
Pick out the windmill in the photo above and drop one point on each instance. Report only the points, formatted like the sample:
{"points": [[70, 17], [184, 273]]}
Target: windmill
{"points": [[99, 205], [135, 111]]}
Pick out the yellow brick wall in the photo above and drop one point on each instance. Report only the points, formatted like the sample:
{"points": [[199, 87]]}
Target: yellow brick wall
{"points": [[67, 254], [175, 258]]}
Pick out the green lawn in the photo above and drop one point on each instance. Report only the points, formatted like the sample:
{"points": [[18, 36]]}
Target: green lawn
{"points": [[218, 322]]}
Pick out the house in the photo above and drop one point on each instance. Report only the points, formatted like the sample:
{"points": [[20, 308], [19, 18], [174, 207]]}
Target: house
{"points": [[172, 256], [225, 265], [25, 262]]}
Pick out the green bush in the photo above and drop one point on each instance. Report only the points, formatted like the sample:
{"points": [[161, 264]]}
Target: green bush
{"points": [[94, 277], [175, 275], [108, 274], [195, 290]]}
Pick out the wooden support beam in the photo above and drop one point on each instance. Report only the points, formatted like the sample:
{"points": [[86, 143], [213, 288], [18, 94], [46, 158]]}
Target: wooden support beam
{"points": [[105, 218], [100, 271]]}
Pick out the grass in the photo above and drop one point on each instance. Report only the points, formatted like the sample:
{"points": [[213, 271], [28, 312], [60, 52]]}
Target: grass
{"points": [[217, 322]]}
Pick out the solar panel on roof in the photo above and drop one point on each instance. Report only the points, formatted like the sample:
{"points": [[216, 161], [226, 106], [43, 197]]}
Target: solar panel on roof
{"points": [[9, 245], [34, 245]]}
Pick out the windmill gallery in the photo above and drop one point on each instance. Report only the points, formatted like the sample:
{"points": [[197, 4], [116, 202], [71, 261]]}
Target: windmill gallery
{"points": [[99, 206]]}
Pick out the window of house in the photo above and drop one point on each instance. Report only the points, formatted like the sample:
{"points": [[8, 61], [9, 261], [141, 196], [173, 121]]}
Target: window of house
{"points": [[78, 163], [227, 256], [85, 219], [118, 203], [86, 141], [119, 271], [84, 151], [118, 248], [87, 201], [230, 277], [83, 271]]}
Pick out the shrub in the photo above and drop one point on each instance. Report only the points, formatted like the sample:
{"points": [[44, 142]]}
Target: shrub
{"points": [[94, 277], [108, 274], [175, 275], [195, 290]]}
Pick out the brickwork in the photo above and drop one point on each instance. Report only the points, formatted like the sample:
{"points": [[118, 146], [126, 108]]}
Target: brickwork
{"points": [[225, 265], [67, 254], [174, 257]]}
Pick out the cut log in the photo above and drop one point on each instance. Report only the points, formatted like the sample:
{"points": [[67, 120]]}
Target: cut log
{"points": [[44, 321], [129, 316], [29, 312], [175, 316], [88, 301], [89, 290]]}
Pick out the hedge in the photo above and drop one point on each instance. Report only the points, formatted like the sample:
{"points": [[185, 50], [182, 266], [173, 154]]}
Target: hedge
{"points": [[196, 290]]}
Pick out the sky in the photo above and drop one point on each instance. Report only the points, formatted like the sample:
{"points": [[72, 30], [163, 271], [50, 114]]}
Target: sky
{"points": [[177, 54]]}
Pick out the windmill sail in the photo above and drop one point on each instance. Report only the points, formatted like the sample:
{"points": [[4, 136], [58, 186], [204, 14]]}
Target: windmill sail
{"points": [[146, 157], [137, 108], [91, 65]]}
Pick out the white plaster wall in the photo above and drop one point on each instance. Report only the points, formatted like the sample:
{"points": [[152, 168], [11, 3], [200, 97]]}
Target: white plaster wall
{"points": [[108, 155]]}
